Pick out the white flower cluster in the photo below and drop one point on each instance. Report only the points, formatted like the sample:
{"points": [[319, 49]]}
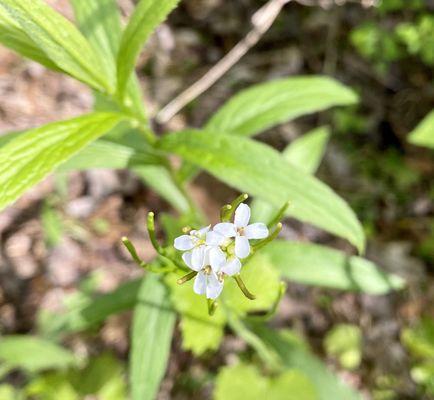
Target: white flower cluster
{"points": [[216, 253]]}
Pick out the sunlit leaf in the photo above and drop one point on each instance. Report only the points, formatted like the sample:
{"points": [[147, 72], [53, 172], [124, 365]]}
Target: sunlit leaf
{"points": [[60, 40], [200, 332], [28, 158], [147, 15], [317, 265], [267, 104], [259, 170], [423, 134]]}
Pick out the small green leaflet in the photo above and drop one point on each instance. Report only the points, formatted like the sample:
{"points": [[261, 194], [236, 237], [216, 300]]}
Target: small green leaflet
{"points": [[267, 104], [259, 170], [145, 18], [27, 159], [33, 354], [317, 265], [60, 40], [423, 134], [153, 323]]}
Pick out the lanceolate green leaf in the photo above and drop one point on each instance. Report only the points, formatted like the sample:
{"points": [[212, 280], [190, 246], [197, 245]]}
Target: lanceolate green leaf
{"points": [[262, 106], [305, 153], [146, 17], [317, 265], [100, 22], [26, 160], [33, 354], [13, 37], [59, 40], [153, 323], [423, 134], [258, 169]]}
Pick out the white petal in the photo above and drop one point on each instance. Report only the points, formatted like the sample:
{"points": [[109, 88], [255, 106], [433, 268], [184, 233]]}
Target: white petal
{"points": [[183, 243], [232, 267], [203, 231], [198, 258], [242, 215], [199, 286], [256, 231], [227, 229], [214, 287], [187, 259], [216, 258], [214, 239], [242, 247]]}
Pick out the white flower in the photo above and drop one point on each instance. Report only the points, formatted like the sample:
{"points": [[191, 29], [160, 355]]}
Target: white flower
{"points": [[194, 245], [241, 230], [208, 280]]}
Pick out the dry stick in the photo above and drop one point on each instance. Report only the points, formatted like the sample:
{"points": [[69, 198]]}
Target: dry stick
{"points": [[262, 21]]}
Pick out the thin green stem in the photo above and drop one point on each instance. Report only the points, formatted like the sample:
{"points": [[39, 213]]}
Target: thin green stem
{"points": [[132, 250], [279, 215], [151, 231], [186, 278], [243, 288]]}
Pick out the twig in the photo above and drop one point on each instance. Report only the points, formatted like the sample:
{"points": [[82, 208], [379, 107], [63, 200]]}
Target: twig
{"points": [[261, 21]]}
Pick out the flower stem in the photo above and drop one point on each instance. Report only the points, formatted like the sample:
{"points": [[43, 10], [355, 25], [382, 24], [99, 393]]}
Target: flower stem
{"points": [[279, 215], [225, 213], [151, 231], [243, 288], [132, 250], [268, 239]]}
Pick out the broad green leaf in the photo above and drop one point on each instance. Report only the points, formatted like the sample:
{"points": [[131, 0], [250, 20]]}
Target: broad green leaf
{"points": [[200, 332], [344, 341], [423, 134], [27, 159], [60, 40], [153, 323], [295, 356], [317, 265], [91, 312], [258, 169], [13, 37], [51, 386], [265, 105], [147, 15], [304, 153], [244, 381], [261, 278], [33, 354]]}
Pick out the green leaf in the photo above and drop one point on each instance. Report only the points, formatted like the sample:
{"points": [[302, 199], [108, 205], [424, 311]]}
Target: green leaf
{"points": [[100, 22], [244, 381], [31, 156], [153, 323], [142, 160], [13, 37], [305, 153], [265, 105], [317, 265], [60, 40], [147, 15], [91, 312], [33, 354], [258, 169], [420, 339], [423, 134], [261, 278], [295, 356], [344, 341], [200, 332]]}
